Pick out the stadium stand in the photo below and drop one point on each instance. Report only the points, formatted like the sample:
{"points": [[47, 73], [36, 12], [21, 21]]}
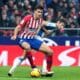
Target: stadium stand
{"points": [[12, 11]]}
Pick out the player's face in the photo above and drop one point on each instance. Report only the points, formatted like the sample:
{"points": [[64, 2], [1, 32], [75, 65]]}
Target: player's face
{"points": [[61, 24], [38, 13]]}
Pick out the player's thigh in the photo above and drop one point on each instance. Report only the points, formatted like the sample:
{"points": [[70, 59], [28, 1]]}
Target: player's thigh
{"points": [[26, 45], [45, 48]]}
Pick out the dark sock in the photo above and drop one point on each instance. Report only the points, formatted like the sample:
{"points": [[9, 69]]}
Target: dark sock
{"points": [[49, 62], [29, 56]]}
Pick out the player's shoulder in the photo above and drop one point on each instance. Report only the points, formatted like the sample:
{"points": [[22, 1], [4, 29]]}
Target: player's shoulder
{"points": [[28, 16]]}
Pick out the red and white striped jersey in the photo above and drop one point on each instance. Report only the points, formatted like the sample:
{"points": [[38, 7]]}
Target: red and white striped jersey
{"points": [[30, 26]]}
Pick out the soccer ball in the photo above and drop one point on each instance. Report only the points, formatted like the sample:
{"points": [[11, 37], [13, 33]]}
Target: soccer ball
{"points": [[35, 73]]}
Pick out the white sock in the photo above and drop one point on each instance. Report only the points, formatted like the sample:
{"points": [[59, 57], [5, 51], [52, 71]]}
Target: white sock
{"points": [[44, 69], [16, 63]]}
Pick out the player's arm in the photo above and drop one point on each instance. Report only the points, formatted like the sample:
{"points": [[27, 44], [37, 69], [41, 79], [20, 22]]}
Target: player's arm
{"points": [[16, 31], [18, 28], [46, 31], [46, 23], [58, 24]]}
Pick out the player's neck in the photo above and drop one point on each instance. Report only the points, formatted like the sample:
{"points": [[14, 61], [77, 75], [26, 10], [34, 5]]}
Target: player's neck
{"points": [[35, 17]]}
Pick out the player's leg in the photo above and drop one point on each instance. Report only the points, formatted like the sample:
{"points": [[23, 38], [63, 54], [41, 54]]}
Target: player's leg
{"points": [[20, 59], [44, 64], [40, 45], [28, 53], [30, 58], [49, 54]]}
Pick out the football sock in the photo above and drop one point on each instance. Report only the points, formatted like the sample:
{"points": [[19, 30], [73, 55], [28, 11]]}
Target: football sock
{"points": [[30, 58], [49, 62], [15, 64], [44, 65]]}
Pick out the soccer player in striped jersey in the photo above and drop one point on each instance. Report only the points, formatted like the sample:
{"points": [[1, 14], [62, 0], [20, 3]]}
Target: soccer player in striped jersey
{"points": [[29, 27]]}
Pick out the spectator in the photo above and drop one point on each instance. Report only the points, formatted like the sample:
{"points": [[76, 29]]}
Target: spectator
{"points": [[72, 31], [17, 19], [4, 19], [33, 3], [65, 9]]}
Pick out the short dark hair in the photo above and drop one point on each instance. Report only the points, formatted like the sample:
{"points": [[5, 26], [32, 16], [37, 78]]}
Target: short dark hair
{"points": [[62, 20], [38, 7]]}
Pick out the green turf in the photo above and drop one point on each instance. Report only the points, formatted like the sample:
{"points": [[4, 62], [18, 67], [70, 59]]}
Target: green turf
{"points": [[23, 73]]}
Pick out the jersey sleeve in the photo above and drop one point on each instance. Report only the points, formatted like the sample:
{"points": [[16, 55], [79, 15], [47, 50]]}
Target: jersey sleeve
{"points": [[24, 21]]}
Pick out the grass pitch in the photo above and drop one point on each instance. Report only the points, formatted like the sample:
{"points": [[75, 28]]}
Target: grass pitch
{"points": [[23, 73]]}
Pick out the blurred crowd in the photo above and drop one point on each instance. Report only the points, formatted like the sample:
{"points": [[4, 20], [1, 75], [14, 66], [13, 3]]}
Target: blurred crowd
{"points": [[12, 11]]}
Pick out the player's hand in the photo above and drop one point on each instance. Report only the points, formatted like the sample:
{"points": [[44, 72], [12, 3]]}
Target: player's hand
{"points": [[13, 37], [48, 33]]}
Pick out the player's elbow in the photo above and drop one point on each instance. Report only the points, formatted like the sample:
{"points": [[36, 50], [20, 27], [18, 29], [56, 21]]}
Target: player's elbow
{"points": [[18, 28]]}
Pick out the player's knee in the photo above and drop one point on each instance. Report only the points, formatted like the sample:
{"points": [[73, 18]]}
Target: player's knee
{"points": [[26, 46], [50, 52]]}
